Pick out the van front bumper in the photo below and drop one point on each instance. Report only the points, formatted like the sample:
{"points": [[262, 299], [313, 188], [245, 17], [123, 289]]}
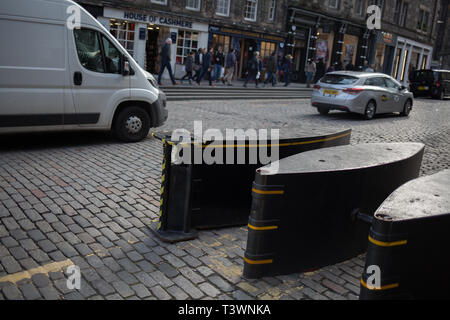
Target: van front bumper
{"points": [[160, 110]]}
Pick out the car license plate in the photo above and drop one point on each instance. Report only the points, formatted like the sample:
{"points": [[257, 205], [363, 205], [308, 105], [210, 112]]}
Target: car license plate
{"points": [[330, 93], [422, 88]]}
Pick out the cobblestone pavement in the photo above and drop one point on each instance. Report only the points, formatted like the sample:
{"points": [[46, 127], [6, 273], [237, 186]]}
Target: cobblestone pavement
{"points": [[86, 199]]}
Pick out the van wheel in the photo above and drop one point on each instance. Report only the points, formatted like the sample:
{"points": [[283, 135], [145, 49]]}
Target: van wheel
{"points": [[323, 111], [370, 110], [132, 124], [406, 108]]}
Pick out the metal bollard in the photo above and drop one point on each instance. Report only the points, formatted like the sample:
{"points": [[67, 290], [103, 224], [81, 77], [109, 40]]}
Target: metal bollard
{"points": [[202, 196], [308, 215], [408, 243]]}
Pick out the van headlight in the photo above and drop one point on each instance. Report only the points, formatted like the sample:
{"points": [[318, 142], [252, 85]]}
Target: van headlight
{"points": [[153, 82]]}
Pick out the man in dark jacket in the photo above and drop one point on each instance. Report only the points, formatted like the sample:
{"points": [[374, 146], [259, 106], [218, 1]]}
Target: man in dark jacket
{"points": [[219, 60], [165, 62], [252, 69], [271, 70], [230, 64], [206, 67], [320, 70], [188, 66]]}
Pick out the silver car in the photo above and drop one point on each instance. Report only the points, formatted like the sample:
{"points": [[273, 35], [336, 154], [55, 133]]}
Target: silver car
{"points": [[361, 92]]}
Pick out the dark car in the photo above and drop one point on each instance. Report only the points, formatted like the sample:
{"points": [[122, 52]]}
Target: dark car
{"points": [[430, 83]]}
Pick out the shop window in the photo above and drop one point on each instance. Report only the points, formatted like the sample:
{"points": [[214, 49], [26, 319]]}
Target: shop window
{"points": [[266, 50], [424, 62], [272, 6], [187, 42], [250, 10], [405, 59], [397, 62], [221, 40], [124, 33], [193, 5], [223, 7], [335, 4]]}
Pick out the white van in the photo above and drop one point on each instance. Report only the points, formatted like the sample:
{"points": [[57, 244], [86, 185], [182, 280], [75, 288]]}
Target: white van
{"points": [[55, 77]]}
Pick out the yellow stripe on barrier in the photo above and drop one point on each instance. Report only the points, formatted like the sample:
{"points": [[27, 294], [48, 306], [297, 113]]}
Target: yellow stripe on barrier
{"points": [[385, 287], [387, 244], [268, 261], [275, 145], [262, 228], [268, 191]]}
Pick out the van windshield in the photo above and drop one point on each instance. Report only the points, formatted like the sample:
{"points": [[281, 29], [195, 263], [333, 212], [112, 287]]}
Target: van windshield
{"points": [[338, 79]]}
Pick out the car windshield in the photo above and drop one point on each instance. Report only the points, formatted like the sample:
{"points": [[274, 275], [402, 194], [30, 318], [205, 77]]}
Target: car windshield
{"points": [[338, 79]]}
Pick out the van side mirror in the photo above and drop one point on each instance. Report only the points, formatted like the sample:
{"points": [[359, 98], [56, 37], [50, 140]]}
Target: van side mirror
{"points": [[125, 67]]}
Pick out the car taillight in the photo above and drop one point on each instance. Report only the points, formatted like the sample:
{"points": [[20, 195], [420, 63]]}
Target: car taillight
{"points": [[353, 90], [316, 87]]}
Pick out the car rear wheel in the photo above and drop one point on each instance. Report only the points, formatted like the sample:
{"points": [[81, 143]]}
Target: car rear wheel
{"points": [[323, 111], [132, 124], [406, 108], [370, 110]]}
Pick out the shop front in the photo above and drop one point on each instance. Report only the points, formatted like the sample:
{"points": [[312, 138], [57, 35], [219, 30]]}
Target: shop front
{"points": [[144, 35], [384, 52], [245, 43], [410, 55]]}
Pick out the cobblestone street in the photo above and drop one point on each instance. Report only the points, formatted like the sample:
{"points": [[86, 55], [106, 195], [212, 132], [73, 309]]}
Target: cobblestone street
{"points": [[87, 199]]}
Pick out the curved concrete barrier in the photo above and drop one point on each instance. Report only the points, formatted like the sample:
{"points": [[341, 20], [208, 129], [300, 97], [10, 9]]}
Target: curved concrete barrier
{"points": [[409, 243], [303, 216], [200, 195]]}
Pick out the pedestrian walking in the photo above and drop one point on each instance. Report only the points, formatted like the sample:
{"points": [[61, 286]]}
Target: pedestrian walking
{"points": [[338, 65], [287, 70], [165, 62], [206, 67], [252, 69], [349, 66], [320, 70], [198, 63], [230, 64], [188, 66], [271, 70], [219, 59], [310, 71]]}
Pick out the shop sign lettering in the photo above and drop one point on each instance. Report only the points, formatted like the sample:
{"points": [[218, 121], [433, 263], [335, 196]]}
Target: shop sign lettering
{"points": [[157, 19]]}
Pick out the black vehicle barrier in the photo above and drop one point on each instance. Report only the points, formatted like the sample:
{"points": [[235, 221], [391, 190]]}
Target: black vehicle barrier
{"points": [[409, 243], [314, 211], [200, 196]]}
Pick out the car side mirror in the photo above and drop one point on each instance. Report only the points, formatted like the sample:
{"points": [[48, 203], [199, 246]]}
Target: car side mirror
{"points": [[125, 67], [401, 88]]}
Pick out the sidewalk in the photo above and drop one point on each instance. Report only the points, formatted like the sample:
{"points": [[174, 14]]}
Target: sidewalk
{"points": [[235, 84]]}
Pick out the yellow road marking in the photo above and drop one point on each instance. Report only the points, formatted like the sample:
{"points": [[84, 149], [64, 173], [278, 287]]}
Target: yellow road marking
{"points": [[387, 244], [385, 287], [262, 228], [268, 192], [51, 267], [268, 261]]}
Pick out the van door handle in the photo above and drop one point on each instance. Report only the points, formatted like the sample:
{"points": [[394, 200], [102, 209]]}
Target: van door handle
{"points": [[77, 78]]}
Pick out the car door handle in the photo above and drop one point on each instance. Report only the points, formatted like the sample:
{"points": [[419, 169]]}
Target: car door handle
{"points": [[77, 78]]}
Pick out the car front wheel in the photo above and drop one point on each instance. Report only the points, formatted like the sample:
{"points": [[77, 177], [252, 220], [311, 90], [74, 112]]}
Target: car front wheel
{"points": [[371, 108], [132, 124]]}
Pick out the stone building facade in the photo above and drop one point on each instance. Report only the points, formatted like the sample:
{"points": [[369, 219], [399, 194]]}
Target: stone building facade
{"points": [[142, 26], [442, 47], [336, 30]]}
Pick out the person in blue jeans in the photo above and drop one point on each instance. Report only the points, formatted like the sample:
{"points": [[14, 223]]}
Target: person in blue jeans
{"points": [[206, 67], [165, 62]]}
